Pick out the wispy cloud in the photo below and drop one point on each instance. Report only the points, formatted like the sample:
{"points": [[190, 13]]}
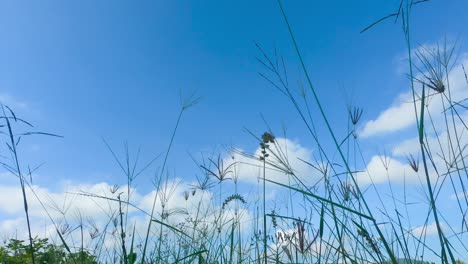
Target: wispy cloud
{"points": [[12, 102], [425, 230], [459, 195]]}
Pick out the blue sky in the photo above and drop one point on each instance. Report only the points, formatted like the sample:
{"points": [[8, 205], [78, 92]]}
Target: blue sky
{"points": [[89, 70]]}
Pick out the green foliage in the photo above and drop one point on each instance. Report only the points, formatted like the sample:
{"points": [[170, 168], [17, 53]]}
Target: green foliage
{"points": [[19, 252]]}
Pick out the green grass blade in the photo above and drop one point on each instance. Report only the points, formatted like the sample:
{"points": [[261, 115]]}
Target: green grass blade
{"points": [[322, 199]]}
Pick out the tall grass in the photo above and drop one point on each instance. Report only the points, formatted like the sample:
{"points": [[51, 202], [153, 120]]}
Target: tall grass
{"points": [[13, 165], [328, 218]]}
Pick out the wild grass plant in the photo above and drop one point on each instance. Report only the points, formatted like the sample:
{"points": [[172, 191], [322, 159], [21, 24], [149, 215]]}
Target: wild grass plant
{"points": [[327, 219]]}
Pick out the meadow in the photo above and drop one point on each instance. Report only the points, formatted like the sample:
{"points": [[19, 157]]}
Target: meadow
{"points": [[341, 214]]}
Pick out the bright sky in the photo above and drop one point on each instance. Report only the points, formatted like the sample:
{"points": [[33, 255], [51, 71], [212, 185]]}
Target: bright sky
{"points": [[89, 70]]}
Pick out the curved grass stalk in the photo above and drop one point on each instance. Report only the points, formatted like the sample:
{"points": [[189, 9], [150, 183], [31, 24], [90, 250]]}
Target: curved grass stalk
{"points": [[186, 104], [322, 112]]}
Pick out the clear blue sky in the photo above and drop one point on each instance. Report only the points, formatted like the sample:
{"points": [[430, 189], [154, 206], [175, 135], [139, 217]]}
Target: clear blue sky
{"points": [[113, 69]]}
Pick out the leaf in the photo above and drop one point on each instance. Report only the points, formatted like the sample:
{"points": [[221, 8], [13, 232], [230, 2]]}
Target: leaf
{"points": [[322, 199], [321, 222], [421, 121], [11, 111], [40, 133], [170, 227]]}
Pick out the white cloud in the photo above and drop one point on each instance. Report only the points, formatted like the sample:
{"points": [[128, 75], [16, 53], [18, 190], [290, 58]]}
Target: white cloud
{"points": [[443, 146], [9, 227], [401, 114], [425, 230], [407, 147], [65, 207], [250, 170], [394, 118], [11, 200], [172, 193], [398, 172], [459, 195]]}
